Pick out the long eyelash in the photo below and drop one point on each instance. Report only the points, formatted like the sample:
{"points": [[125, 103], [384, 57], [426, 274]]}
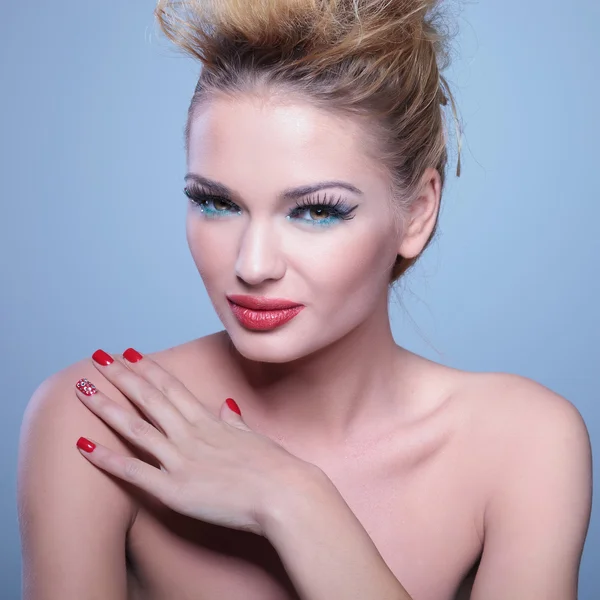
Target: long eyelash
{"points": [[198, 195], [336, 208]]}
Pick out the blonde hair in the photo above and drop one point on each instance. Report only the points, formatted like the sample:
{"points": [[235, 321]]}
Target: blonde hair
{"points": [[377, 60]]}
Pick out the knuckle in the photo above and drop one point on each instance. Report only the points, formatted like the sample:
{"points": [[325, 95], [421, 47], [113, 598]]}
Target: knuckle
{"points": [[119, 378], [171, 387], [131, 469], [102, 402], [153, 397], [139, 427]]}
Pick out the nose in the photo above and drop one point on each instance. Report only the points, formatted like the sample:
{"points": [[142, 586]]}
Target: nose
{"points": [[260, 257]]}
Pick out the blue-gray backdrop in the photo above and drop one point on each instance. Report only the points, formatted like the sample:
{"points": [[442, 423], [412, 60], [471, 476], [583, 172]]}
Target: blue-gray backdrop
{"points": [[92, 242]]}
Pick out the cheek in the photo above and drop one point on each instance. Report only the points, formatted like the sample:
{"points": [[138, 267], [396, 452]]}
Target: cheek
{"points": [[208, 248], [352, 276]]}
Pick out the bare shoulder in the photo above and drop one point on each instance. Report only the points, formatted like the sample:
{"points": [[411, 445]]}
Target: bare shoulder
{"points": [[519, 410], [64, 502], [196, 353], [529, 441], [532, 451], [203, 365], [199, 353], [507, 417], [55, 415]]}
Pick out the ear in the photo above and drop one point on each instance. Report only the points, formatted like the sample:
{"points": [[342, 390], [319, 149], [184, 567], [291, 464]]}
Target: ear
{"points": [[229, 414], [422, 215]]}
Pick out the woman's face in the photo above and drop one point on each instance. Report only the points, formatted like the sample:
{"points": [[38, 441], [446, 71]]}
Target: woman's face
{"points": [[254, 240]]}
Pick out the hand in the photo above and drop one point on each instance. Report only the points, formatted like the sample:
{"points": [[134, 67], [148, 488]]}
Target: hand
{"points": [[216, 470]]}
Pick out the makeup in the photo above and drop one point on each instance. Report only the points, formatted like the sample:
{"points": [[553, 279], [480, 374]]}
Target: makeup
{"points": [[262, 314]]}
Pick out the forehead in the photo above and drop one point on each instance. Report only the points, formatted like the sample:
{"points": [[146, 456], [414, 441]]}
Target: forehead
{"points": [[280, 140]]}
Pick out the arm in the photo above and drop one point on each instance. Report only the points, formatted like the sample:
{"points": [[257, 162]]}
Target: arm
{"points": [[73, 518], [537, 518], [326, 551]]}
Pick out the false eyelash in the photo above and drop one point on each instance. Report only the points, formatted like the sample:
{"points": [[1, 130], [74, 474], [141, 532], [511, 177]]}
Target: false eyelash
{"points": [[336, 208], [196, 195]]}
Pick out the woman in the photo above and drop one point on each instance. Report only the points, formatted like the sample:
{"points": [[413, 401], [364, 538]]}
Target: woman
{"points": [[316, 156]]}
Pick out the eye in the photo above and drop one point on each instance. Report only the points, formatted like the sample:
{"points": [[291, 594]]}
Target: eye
{"points": [[323, 211], [314, 211], [318, 212], [210, 204], [219, 204]]}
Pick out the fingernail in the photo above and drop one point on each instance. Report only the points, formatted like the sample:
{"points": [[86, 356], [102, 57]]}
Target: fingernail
{"points": [[132, 355], [86, 387], [102, 358], [233, 406], [85, 444]]}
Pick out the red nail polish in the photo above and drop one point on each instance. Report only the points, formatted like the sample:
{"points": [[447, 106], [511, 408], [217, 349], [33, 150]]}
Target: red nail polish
{"points": [[233, 406], [102, 358], [85, 386], [85, 444], [132, 355]]}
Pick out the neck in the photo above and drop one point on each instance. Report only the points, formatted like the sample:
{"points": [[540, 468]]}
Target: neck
{"points": [[333, 394]]}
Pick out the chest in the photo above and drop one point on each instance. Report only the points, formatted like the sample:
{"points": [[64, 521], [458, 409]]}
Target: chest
{"points": [[422, 519]]}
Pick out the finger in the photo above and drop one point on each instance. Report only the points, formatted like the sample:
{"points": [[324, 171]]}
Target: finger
{"points": [[132, 427], [127, 468], [159, 409], [189, 406], [231, 414]]}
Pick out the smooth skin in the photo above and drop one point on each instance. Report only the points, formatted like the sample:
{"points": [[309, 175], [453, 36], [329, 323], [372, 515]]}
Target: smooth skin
{"points": [[213, 469], [330, 379]]}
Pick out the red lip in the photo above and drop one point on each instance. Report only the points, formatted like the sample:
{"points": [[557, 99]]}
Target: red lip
{"points": [[262, 302], [263, 320]]}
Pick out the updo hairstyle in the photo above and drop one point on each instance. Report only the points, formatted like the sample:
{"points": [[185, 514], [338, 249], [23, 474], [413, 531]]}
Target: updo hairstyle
{"points": [[378, 61]]}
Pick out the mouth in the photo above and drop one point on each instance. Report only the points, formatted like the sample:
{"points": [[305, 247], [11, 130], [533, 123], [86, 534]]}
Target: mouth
{"points": [[262, 302], [263, 314]]}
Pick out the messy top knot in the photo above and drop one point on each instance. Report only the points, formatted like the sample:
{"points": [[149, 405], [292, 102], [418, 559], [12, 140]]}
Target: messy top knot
{"points": [[378, 60]]}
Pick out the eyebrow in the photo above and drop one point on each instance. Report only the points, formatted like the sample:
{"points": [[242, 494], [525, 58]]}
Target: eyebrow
{"points": [[287, 194]]}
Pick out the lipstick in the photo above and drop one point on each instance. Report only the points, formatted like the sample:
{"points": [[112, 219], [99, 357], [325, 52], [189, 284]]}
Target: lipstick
{"points": [[261, 313]]}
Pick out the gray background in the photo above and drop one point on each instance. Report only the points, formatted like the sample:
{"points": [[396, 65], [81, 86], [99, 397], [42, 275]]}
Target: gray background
{"points": [[92, 243]]}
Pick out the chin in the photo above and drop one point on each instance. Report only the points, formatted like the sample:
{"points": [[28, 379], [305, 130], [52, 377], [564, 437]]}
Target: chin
{"points": [[283, 345], [268, 346]]}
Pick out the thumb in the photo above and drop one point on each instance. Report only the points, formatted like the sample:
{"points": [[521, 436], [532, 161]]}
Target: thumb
{"points": [[231, 414]]}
